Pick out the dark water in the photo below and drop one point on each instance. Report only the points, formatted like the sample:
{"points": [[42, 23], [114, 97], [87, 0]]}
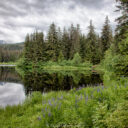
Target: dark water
{"points": [[14, 89]]}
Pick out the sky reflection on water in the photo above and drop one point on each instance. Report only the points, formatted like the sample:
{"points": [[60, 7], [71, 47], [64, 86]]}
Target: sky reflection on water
{"points": [[11, 94]]}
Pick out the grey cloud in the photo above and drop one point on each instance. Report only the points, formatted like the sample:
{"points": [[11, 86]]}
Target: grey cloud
{"points": [[11, 8], [23, 7], [29, 14], [95, 4]]}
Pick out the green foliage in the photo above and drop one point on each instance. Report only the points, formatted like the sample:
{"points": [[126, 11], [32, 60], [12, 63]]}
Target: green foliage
{"points": [[116, 117], [83, 47], [106, 37], [123, 45], [34, 47], [92, 45], [60, 46], [122, 20], [116, 58], [53, 43], [118, 63], [77, 59], [61, 57], [74, 33]]}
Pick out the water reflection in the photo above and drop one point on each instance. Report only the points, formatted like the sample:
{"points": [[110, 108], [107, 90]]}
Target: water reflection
{"points": [[8, 74], [11, 88], [11, 94], [48, 81]]}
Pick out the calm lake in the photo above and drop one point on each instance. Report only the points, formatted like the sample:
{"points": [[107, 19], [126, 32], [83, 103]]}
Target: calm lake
{"points": [[14, 89]]}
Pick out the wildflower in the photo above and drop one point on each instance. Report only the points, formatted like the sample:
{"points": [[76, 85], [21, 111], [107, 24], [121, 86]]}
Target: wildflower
{"points": [[59, 106], [49, 114], [76, 102], [39, 118], [81, 97], [78, 89], [44, 115], [53, 99], [102, 87], [50, 103], [86, 100], [61, 97], [98, 90], [92, 96]]}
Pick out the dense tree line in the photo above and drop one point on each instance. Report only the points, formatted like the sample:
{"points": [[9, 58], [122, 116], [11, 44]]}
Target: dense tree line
{"points": [[10, 53], [65, 44]]}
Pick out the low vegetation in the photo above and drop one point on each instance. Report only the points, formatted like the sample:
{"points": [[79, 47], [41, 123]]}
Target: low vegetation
{"points": [[68, 65], [102, 106]]}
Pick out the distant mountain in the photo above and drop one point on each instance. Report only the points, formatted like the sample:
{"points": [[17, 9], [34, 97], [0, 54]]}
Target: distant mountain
{"points": [[15, 46], [2, 42]]}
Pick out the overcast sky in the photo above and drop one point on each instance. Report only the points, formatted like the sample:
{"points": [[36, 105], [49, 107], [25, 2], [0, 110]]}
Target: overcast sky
{"points": [[19, 17]]}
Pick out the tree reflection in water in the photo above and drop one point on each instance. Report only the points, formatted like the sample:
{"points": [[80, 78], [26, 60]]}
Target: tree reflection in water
{"points": [[48, 81]]}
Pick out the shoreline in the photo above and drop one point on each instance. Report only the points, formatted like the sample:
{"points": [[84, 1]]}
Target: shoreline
{"points": [[7, 65]]}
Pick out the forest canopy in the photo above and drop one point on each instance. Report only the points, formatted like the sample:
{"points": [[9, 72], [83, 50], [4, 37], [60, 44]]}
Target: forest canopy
{"points": [[68, 42]]}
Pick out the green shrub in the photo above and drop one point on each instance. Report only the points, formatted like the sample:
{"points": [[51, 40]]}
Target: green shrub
{"points": [[77, 59], [116, 117], [118, 63], [61, 57]]}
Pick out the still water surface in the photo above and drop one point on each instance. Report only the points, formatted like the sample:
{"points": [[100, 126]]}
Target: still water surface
{"points": [[14, 89]]}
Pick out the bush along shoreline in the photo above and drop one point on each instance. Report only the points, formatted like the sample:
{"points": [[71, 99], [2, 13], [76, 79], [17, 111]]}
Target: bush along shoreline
{"points": [[75, 64]]}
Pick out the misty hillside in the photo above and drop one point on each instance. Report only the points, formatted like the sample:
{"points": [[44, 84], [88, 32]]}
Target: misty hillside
{"points": [[2, 42], [16, 46]]}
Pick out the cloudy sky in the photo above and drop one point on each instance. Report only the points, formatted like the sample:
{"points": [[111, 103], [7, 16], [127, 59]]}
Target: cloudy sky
{"points": [[19, 17]]}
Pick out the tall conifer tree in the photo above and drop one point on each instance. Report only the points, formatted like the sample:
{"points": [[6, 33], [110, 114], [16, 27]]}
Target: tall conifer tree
{"points": [[91, 44], [106, 36], [122, 26], [53, 43]]}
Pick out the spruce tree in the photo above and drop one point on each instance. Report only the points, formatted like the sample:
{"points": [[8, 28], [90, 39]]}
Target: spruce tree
{"points": [[91, 44], [66, 44], [27, 47], [122, 26], [83, 43], [106, 36], [39, 47], [52, 40], [74, 40]]}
